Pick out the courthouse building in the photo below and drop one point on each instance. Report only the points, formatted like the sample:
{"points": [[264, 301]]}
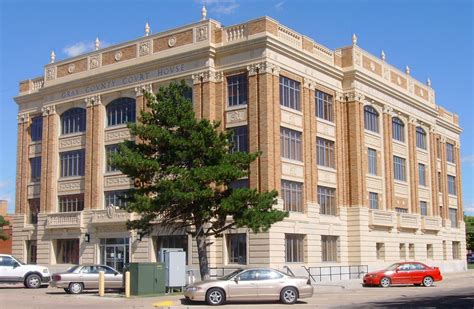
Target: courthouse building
{"points": [[364, 160]]}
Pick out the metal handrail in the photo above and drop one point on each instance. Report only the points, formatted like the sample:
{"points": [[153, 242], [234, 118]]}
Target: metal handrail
{"points": [[333, 272], [288, 271]]}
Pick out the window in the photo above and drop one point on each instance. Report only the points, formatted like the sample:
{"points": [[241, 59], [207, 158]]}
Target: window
{"points": [[371, 119], [421, 174], [453, 217], [374, 200], [69, 203], [35, 167], [372, 155], [239, 184], [115, 252], [72, 163], [451, 185], [445, 250], [290, 141], [121, 111], [237, 248], [399, 171], [6, 261], [34, 209], [380, 249], [36, 128], [294, 248], [420, 138], [411, 251], [173, 241], [116, 198], [429, 251], [237, 90], [329, 248], [292, 193], [249, 275], [240, 139], [289, 93], [456, 250], [67, 251], [31, 251], [73, 120], [327, 200], [440, 186], [403, 252], [450, 153], [109, 151], [423, 208], [324, 106], [398, 129], [325, 152], [401, 210], [438, 148], [266, 274]]}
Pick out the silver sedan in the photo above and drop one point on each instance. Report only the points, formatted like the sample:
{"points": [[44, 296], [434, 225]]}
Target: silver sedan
{"points": [[86, 277]]}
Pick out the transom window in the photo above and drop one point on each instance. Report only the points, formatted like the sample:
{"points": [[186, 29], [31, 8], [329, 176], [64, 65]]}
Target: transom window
{"points": [[36, 128], [289, 93], [121, 111], [422, 174], [68, 203], [451, 185], [292, 194], [327, 200], [325, 152], [329, 248], [116, 198], [240, 139], [372, 161], [423, 208], [72, 163], [294, 248], [290, 141], [324, 106], [237, 248], [398, 129], [420, 138], [73, 120], [450, 153], [35, 167], [237, 90], [371, 119], [399, 168], [374, 200]]}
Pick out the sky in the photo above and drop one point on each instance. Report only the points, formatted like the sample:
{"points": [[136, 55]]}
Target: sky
{"points": [[435, 38]]}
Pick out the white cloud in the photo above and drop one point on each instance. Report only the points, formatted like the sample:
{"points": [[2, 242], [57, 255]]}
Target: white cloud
{"points": [[225, 7], [279, 5], [80, 48], [469, 160]]}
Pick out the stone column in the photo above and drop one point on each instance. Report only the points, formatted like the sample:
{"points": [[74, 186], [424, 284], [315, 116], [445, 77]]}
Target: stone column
{"points": [[434, 173], [388, 158], [342, 196], [309, 141], [49, 160], [22, 165], [457, 158], [413, 167], [253, 121]]}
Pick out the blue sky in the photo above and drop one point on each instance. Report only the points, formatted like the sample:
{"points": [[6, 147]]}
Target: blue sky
{"points": [[435, 38]]}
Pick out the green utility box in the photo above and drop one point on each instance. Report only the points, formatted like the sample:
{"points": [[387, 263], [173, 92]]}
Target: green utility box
{"points": [[147, 278]]}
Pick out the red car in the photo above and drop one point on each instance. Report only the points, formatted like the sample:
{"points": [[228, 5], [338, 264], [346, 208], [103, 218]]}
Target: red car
{"points": [[404, 273]]}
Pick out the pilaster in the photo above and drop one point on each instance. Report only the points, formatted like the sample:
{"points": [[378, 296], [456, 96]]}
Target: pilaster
{"points": [[49, 160], [309, 140], [23, 167], [388, 158], [457, 158], [434, 174], [444, 180], [341, 151], [413, 166]]}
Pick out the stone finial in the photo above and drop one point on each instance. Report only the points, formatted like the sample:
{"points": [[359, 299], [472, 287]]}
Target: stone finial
{"points": [[354, 39], [97, 43], [203, 13], [53, 56], [407, 70], [382, 55], [428, 82], [147, 29]]}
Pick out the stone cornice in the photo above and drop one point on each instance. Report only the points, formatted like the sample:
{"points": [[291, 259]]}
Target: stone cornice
{"points": [[262, 68], [209, 75]]}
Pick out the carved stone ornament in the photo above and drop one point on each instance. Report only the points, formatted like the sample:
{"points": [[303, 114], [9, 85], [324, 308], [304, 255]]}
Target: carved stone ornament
{"points": [[208, 76], [50, 73], [144, 48], [48, 110], [110, 211], [71, 68], [399, 81], [309, 83], [263, 67], [93, 100], [202, 33], [387, 110], [94, 62], [118, 55], [354, 96], [172, 41], [372, 66], [412, 120], [141, 89], [23, 118], [433, 129]]}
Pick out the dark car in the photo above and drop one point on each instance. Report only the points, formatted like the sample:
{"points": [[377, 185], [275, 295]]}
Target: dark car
{"points": [[404, 273]]}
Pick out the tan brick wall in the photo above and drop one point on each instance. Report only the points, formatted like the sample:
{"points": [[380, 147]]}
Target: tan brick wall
{"points": [[49, 163], [444, 181], [25, 85], [23, 168], [78, 66], [98, 157], [347, 60], [276, 132], [457, 158], [388, 160], [413, 168], [197, 100], [308, 144], [89, 157], [262, 25], [394, 79], [434, 206], [182, 38], [342, 196], [128, 52], [254, 129], [368, 64]]}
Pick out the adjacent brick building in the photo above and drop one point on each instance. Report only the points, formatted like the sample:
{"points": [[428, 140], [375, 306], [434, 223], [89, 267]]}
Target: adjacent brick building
{"points": [[365, 161], [6, 245]]}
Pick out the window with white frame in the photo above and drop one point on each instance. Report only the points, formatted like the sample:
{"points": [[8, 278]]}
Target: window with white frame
{"points": [[292, 194], [372, 161], [290, 93], [374, 200], [294, 248], [398, 129], [237, 90], [121, 111], [36, 128], [371, 119], [399, 168], [72, 163], [450, 153], [324, 106], [116, 198], [325, 154], [327, 201], [451, 185], [423, 208], [421, 174], [290, 144], [237, 248], [35, 168], [73, 202], [240, 139], [329, 248], [420, 138], [73, 121]]}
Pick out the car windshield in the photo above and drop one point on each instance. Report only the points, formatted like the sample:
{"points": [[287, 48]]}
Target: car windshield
{"points": [[18, 260], [232, 274], [72, 269], [393, 266]]}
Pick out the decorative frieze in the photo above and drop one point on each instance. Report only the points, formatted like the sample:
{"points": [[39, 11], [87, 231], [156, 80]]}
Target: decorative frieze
{"points": [[94, 61], [93, 100], [48, 110], [236, 117], [117, 181], [110, 215], [50, 73], [201, 33], [34, 190], [72, 142], [381, 218], [141, 89], [292, 170], [71, 185], [309, 83], [354, 96], [35, 149], [144, 48], [64, 220], [117, 135], [23, 118]]}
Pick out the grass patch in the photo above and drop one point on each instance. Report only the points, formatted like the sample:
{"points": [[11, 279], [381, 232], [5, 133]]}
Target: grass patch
{"points": [[470, 266]]}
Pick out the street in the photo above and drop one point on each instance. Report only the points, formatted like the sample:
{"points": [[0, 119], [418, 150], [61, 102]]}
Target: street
{"points": [[456, 291]]}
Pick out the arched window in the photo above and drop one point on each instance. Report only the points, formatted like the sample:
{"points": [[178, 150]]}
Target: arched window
{"points": [[420, 138], [371, 118], [398, 129], [121, 111], [73, 120]]}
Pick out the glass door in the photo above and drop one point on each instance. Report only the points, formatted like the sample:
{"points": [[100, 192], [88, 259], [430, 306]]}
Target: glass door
{"points": [[115, 252]]}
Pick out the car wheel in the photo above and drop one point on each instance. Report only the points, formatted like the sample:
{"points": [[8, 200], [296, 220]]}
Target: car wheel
{"points": [[67, 291], [289, 295], [215, 297], [75, 288], [33, 281], [428, 281], [385, 282]]}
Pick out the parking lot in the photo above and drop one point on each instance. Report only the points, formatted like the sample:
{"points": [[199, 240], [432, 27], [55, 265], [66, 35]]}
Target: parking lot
{"points": [[456, 291]]}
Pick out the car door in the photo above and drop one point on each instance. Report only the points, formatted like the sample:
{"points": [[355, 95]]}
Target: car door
{"points": [[245, 287], [10, 269], [418, 273], [269, 284], [89, 276], [113, 279], [401, 274]]}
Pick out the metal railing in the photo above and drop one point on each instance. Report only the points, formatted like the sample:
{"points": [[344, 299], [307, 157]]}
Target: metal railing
{"points": [[216, 272], [288, 271], [331, 273]]}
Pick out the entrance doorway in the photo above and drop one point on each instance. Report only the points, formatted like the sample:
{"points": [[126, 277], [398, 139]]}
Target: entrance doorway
{"points": [[115, 252]]}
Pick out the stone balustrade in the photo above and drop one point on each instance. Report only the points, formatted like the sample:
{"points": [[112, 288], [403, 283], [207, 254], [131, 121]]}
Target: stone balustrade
{"points": [[381, 218], [408, 221], [431, 223], [64, 220]]}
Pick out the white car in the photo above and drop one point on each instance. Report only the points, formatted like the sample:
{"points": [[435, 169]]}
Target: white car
{"points": [[14, 271]]}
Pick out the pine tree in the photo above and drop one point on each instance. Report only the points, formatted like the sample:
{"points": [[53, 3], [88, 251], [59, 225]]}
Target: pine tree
{"points": [[182, 167]]}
